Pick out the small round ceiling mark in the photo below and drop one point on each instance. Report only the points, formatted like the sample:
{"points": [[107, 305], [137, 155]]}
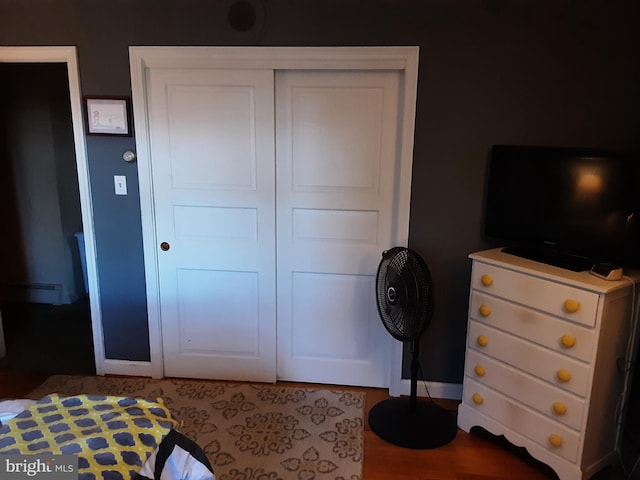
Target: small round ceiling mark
{"points": [[242, 15]]}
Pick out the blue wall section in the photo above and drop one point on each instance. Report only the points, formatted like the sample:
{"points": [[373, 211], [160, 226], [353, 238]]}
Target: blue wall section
{"points": [[119, 250], [545, 72]]}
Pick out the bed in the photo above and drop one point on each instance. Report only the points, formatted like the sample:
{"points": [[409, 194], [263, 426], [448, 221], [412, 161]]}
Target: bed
{"points": [[113, 438]]}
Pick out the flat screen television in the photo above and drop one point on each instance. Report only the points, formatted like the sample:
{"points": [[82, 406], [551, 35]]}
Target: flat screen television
{"points": [[564, 206]]}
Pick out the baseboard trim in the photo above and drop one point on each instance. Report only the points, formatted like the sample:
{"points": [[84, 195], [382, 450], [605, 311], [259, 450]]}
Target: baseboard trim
{"points": [[451, 391], [49, 293], [127, 367]]}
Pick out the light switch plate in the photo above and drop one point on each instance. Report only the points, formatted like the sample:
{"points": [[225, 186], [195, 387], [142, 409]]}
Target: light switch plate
{"points": [[120, 182]]}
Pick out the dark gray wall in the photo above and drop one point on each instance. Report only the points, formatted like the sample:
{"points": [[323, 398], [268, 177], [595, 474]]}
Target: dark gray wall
{"points": [[548, 72]]}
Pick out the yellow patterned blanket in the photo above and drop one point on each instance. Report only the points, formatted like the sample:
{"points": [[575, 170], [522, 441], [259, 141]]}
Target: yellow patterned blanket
{"points": [[112, 436]]}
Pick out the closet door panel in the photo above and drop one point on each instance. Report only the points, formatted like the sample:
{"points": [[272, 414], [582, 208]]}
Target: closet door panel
{"points": [[336, 157], [212, 144]]}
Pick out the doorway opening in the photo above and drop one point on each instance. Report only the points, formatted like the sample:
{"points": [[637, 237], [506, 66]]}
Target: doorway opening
{"points": [[43, 293]]}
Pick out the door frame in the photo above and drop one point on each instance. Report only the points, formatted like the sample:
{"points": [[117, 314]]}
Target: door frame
{"points": [[142, 59], [68, 55]]}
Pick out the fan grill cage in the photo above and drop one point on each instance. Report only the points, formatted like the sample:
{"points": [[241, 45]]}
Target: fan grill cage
{"points": [[404, 293]]}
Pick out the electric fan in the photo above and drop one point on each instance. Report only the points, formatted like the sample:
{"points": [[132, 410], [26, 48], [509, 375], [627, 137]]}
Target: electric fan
{"points": [[404, 293]]}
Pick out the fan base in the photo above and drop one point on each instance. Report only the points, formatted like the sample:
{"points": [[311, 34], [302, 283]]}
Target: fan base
{"points": [[429, 426]]}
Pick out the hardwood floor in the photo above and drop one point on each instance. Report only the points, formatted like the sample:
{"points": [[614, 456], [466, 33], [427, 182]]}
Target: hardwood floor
{"points": [[468, 457]]}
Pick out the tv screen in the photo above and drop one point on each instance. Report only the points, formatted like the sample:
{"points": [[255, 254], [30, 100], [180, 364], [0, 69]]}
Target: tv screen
{"points": [[567, 207]]}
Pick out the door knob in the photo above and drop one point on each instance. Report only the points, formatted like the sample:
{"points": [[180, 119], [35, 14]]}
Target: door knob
{"points": [[164, 246], [129, 156]]}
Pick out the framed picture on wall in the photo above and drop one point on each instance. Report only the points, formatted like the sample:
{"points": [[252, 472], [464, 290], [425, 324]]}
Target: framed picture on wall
{"points": [[108, 116]]}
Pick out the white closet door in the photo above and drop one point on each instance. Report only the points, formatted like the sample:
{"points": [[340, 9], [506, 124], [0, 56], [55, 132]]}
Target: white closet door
{"points": [[212, 156], [337, 160]]}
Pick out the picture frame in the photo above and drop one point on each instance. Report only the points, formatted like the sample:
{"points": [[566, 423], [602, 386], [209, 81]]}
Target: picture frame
{"points": [[108, 116]]}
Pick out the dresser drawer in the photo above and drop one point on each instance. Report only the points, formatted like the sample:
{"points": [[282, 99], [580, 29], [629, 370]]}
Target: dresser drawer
{"points": [[558, 335], [572, 303], [558, 370], [553, 402], [542, 430]]}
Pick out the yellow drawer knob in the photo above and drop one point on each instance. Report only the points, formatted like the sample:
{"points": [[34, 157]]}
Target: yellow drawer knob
{"points": [[571, 306], [485, 311], [486, 280], [559, 408], [563, 375], [480, 371], [568, 341], [482, 340], [477, 398], [555, 440]]}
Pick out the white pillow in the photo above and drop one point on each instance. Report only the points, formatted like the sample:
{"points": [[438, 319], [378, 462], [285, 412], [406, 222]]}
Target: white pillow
{"points": [[11, 408]]}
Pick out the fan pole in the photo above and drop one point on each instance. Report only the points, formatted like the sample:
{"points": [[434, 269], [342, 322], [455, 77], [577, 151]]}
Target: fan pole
{"points": [[411, 424], [415, 366]]}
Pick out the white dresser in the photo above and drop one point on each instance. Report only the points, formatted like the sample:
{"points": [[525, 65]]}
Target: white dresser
{"points": [[545, 359]]}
